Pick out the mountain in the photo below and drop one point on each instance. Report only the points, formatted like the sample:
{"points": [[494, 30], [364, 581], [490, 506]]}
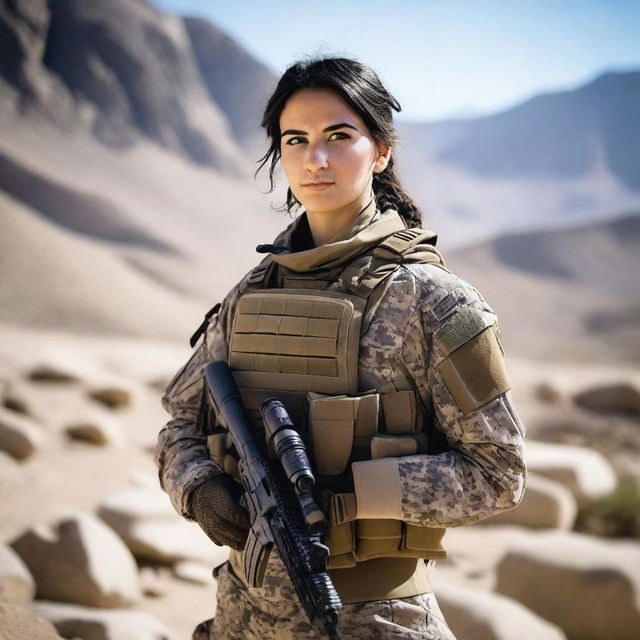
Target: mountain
{"points": [[558, 159], [557, 135], [562, 294], [238, 83], [132, 64], [110, 131]]}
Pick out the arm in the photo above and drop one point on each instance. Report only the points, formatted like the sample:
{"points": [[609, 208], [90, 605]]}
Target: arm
{"points": [[181, 452], [454, 359]]}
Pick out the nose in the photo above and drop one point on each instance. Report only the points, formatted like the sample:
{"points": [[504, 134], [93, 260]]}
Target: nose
{"points": [[316, 157]]}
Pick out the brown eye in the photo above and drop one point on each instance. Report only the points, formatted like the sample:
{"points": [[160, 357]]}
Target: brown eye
{"points": [[294, 141], [342, 136]]}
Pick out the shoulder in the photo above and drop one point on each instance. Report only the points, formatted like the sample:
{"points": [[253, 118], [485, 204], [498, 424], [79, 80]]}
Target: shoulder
{"points": [[452, 309]]}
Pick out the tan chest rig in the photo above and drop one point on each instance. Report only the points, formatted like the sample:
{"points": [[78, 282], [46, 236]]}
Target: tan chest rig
{"points": [[300, 342]]}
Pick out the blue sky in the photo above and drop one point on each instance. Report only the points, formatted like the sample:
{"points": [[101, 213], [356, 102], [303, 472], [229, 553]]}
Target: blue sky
{"points": [[442, 58]]}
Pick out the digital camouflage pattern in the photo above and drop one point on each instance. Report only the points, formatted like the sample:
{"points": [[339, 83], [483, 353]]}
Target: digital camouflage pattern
{"points": [[483, 474], [271, 614]]}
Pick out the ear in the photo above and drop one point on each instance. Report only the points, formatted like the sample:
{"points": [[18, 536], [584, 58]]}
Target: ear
{"points": [[381, 161]]}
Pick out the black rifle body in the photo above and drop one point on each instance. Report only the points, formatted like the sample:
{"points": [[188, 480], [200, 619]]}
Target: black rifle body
{"points": [[277, 510]]}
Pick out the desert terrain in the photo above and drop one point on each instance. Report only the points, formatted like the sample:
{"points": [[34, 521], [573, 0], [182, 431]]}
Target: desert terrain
{"points": [[124, 221]]}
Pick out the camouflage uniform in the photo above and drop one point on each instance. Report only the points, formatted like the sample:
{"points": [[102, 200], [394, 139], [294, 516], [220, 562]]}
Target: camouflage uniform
{"points": [[482, 474]]}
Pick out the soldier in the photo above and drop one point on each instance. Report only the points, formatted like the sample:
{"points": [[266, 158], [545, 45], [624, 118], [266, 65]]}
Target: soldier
{"points": [[391, 364]]}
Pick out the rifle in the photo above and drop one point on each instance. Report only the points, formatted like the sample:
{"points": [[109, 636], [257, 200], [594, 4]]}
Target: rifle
{"points": [[279, 498]]}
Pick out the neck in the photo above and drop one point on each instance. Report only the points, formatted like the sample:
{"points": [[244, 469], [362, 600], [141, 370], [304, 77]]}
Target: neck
{"points": [[325, 225]]}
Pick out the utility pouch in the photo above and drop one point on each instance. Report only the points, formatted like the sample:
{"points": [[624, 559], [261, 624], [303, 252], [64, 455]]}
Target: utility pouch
{"points": [[401, 412], [340, 426], [424, 542], [384, 446], [377, 538], [341, 541]]}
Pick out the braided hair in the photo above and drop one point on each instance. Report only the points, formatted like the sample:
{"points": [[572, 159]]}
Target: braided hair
{"points": [[359, 86]]}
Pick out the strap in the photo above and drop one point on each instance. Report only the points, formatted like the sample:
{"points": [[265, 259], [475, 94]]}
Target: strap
{"points": [[203, 327], [403, 241], [260, 277]]}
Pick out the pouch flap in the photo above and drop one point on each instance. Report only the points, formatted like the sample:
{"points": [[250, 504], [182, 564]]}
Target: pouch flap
{"points": [[400, 412], [392, 446], [379, 529], [331, 423]]}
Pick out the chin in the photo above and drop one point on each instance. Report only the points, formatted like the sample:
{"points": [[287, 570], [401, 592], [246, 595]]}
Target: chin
{"points": [[320, 204]]}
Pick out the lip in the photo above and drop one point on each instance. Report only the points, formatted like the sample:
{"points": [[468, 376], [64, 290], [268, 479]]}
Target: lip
{"points": [[317, 185]]}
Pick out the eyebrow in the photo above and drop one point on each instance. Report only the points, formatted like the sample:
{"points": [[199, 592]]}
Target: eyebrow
{"points": [[333, 127]]}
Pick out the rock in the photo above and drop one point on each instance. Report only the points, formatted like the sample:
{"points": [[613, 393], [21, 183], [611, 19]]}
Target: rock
{"points": [[477, 614], [80, 560], [587, 586], [193, 572], [17, 622], [550, 393], [16, 583], [111, 397], [19, 436], [152, 586], [146, 521], [98, 431], [618, 397], [73, 621], [48, 372], [16, 401], [585, 471], [547, 504]]}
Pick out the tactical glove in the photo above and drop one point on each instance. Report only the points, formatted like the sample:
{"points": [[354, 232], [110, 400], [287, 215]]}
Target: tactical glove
{"points": [[217, 509]]}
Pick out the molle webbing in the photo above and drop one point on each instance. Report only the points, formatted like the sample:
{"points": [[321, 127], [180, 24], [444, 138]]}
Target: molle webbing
{"points": [[296, 341]]}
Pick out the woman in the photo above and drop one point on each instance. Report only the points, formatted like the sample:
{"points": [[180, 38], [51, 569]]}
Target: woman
{"points": [[389, 362]]}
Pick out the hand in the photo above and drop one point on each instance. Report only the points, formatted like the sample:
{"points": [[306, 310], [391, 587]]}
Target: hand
{"points": [[217, 509]]}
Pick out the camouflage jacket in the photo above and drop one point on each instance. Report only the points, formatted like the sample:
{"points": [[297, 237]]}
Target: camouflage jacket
{"points": [[423, 309]]}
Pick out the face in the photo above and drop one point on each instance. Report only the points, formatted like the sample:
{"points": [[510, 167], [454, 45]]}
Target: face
{"points": [[327, 152]]}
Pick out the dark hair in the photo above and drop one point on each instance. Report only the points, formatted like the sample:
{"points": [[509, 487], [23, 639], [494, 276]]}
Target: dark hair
{"points": [[359, 86]]}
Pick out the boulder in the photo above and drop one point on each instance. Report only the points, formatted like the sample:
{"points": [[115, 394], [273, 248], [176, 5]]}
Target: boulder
{"points": [[80, 560], [16, 583], [111, 396], [97, 430], [19, 436], [146, 521], [477, 614], [547, 504], [73, 621], [621, 397], [53, 372], [17, 622], [587, 586], [152, 585], [550, 392], [17, 401], [584, 471]]}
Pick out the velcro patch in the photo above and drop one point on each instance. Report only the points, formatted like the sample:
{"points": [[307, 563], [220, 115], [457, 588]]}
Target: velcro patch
{"points": [[462, 326], [475, 373]]}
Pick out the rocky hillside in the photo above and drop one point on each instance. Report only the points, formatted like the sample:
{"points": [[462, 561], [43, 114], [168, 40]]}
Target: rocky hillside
{"points": [[236, 81], [566, 294], [557, 159]]}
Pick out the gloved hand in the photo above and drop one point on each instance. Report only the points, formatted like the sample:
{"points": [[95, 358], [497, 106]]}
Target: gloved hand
{"points": [[217, 509]]}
